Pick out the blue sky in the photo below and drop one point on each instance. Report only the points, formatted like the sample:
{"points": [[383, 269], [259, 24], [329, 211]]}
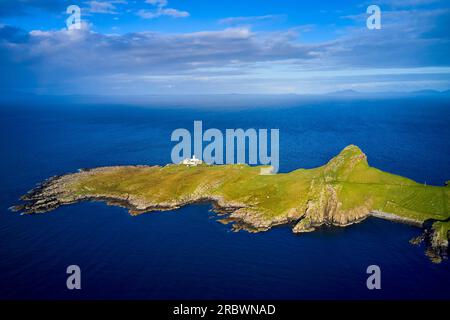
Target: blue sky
{"points": [[181, 47]]}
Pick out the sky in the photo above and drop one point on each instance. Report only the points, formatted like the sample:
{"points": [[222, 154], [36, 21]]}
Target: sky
{"points": [[171, 47]]}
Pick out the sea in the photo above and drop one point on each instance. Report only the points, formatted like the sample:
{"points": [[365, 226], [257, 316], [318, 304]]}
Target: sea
{"points": [[187, 253]]}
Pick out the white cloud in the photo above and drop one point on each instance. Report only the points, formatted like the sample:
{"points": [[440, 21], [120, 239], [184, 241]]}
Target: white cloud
{"points": [[160, 3], [105, 7], [161, 10], [174, 13], [147, 14]]}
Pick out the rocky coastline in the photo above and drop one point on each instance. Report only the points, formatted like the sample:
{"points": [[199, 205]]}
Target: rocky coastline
{"points": [[323, 211]]}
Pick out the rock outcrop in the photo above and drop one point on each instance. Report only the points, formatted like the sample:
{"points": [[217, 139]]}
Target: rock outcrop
{"points": [[327, 210]]}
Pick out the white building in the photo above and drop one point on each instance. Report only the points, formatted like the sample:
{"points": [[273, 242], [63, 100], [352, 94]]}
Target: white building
{"points": [[192, 162], [265, 171]]}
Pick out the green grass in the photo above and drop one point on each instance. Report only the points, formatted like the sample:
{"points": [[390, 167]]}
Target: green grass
{"points": [[349, 173]]}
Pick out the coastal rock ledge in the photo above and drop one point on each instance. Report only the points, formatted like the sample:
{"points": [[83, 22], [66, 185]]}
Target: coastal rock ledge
{"points": [[342, 192]]}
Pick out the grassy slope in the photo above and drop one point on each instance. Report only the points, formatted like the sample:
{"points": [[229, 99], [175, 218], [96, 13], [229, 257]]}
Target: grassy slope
{"points": [[275, 195]]}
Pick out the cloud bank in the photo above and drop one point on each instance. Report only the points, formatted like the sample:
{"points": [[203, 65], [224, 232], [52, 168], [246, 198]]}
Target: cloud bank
{"points": [[410, 52]]}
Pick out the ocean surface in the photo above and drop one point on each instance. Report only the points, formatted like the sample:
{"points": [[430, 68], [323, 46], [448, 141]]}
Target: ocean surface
{"points": [[187, 254]]}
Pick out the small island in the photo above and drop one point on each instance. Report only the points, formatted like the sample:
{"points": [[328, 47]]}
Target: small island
{"points": [[342, 192]]}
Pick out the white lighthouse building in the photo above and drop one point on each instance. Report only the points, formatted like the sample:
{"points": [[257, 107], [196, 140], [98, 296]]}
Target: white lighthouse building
{"points": [[192, 162]]}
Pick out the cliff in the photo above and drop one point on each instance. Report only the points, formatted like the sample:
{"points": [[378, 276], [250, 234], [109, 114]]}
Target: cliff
{"points": [[344, 191]]}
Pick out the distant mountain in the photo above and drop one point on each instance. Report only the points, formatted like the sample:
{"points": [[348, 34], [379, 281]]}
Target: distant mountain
{"points": [[208, 100], [349, 92], [427, 92]]}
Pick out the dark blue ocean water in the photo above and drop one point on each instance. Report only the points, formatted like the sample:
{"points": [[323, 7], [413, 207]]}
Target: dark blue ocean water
{"points": [[187, 254]]}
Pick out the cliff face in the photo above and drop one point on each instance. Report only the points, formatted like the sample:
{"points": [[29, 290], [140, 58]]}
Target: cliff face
{"points": [[438, 237], [326, 210]]}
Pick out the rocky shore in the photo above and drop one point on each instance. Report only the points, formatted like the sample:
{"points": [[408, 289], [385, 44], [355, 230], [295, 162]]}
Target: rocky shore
{"points": [[324, 211], [345, 191], [396, 218]]}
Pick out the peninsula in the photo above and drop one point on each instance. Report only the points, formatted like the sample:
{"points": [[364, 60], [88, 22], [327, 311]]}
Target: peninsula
{"points": [[344, 191]]}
